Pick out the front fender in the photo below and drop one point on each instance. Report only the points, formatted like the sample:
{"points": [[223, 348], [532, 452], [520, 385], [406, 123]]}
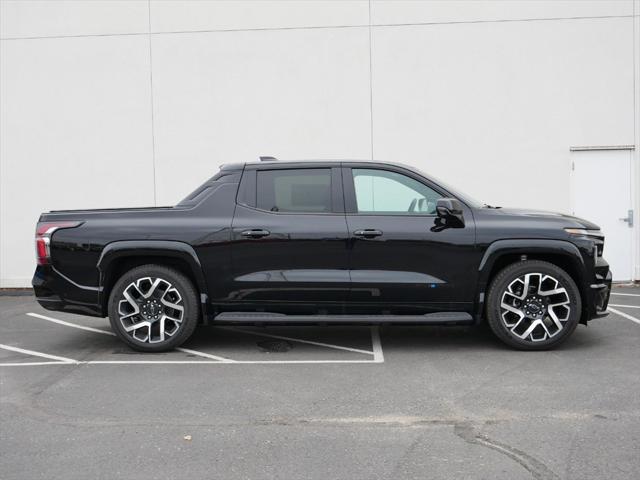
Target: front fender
{"points": [[532, 248]]}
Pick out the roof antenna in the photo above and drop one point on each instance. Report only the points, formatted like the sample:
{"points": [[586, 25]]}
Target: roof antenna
{"points": [[268, 159]]}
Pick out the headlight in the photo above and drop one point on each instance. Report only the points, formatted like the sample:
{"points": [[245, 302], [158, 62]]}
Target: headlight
{"points": [[583, 232]]}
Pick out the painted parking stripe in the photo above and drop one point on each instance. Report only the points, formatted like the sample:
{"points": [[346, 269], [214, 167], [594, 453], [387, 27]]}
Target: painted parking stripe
{"points": [[33, 364], [298, 340], [625, 315], [627, 294], [206, 355], [190, 362], [378, 356], [37, 354], [624, 306], [106, 332], [68, 324]]}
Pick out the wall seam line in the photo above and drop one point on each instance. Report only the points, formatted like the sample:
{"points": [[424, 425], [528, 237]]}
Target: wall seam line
{"points": [[321, 27], [370, 83], [153, 137]]}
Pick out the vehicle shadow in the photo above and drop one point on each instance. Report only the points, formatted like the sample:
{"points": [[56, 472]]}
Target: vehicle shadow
{"points": [[394, 338]]}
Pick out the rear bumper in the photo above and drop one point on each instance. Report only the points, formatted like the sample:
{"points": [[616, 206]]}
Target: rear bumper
{"points": [[54, 291]]}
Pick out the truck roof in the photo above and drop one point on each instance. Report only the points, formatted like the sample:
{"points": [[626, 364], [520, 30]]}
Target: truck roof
{"points": [[273, 161]]}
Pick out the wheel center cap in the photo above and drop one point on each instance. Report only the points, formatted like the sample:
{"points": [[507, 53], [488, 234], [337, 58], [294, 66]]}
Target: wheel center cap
{"points": [[151, 310], [534, 306]]}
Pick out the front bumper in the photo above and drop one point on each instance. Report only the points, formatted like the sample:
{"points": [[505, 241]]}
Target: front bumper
{"points": [[54, 291], [599, 294]]}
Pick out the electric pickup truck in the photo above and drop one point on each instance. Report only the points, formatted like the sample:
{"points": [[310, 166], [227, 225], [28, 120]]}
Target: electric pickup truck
{"points": [[317, 242]]}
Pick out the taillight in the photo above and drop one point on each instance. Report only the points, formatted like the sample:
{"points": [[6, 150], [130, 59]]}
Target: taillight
{"points": [[43, 238]]}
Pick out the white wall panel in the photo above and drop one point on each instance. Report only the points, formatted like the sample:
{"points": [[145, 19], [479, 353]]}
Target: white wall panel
{"points": [[231, 96], [190, 15], [384, 12], [494, 108], [75, 128], [44, 18]]}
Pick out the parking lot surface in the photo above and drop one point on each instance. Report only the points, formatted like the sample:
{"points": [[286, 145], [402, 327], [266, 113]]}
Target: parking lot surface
{"points": [[317, 402]]}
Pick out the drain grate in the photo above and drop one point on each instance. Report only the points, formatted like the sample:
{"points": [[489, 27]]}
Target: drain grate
{"points": [[276, 346]]}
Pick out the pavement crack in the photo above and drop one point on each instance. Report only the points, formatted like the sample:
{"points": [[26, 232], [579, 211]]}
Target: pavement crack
{"points": [[535, 467]]}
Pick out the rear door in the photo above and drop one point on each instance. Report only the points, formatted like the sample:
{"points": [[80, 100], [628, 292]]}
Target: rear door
{"points": [[289, 239], [403, 259]]}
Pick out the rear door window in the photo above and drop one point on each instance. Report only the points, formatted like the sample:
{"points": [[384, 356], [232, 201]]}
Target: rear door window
{"points": [[304, 190]]}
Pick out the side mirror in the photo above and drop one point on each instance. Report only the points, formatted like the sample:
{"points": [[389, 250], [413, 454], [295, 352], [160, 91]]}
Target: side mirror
{"points": [[450, 209]]}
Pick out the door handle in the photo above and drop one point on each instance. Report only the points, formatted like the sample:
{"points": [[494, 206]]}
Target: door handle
{"points": [[628, 218], [255, 233], [367, 233]]}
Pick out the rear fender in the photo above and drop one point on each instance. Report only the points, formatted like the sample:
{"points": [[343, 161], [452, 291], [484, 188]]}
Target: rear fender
{"points": [[139, 249]]}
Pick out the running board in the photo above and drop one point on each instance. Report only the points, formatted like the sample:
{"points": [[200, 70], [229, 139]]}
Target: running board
{"points": [[439, 318]]}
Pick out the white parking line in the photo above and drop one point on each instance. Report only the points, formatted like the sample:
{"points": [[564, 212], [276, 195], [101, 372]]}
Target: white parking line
{"points": [[37, 354], [627, 294], [187, 362], [206, 355], [378, 356], [625, 315], [299, 340], [35, 364], [68, 324], [106, 332], [236, 362], [625, 306]]}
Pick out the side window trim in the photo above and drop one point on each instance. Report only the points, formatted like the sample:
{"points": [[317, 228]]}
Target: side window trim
{"points": [[351, 205], [247, 190]]}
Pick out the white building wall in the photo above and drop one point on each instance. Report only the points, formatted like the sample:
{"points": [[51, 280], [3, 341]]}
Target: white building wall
{"points": [[134, 103]]}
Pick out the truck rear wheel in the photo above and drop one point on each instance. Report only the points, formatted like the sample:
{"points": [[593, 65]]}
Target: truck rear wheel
{"points": [[153, 308], [533, 305]]}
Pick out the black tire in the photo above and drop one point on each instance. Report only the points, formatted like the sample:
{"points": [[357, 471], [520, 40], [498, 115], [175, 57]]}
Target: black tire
{"points": [[508, 278], [181, 293]]}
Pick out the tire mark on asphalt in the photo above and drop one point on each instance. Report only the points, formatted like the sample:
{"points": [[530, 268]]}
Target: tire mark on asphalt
{"points": [[397, 469], [535, 467]]}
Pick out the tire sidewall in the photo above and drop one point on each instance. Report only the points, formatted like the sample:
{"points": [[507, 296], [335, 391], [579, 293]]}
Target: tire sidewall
{"points": [[508, 275], [178, 281]]}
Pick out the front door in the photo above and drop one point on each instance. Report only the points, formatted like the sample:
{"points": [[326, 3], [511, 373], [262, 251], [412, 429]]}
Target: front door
{"points": [[289, 240], [601, 193], [402, 258]]}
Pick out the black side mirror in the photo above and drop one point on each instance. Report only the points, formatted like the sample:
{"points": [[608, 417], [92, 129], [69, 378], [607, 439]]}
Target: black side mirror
{"points": [[450, 209]]}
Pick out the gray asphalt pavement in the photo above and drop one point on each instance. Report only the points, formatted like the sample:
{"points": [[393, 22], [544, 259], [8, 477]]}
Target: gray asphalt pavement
{"points": [[320, 403]]}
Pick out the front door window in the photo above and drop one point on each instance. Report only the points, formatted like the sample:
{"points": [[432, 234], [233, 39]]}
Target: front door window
{"points": [[383, 192]]}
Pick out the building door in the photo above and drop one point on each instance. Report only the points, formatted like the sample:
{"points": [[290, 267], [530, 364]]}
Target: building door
{"points": [[601, 193]]}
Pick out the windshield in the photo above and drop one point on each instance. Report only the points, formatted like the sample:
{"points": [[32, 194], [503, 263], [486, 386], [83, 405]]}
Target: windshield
{"points": [[460, 196]]}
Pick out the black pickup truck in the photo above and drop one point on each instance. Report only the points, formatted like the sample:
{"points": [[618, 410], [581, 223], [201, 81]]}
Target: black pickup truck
{"points": [[347, 242]]}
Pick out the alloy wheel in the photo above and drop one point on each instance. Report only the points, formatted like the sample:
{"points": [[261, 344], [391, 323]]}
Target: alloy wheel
{"points": [[535, 307], [151, 309]]}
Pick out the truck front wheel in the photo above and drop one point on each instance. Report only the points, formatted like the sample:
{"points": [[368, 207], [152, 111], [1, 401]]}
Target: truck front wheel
{"points": [[533, 305], [153, 308]]}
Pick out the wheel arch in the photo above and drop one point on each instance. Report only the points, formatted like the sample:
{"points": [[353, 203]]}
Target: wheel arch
{"points": [[506, 252], [120, 257]]}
